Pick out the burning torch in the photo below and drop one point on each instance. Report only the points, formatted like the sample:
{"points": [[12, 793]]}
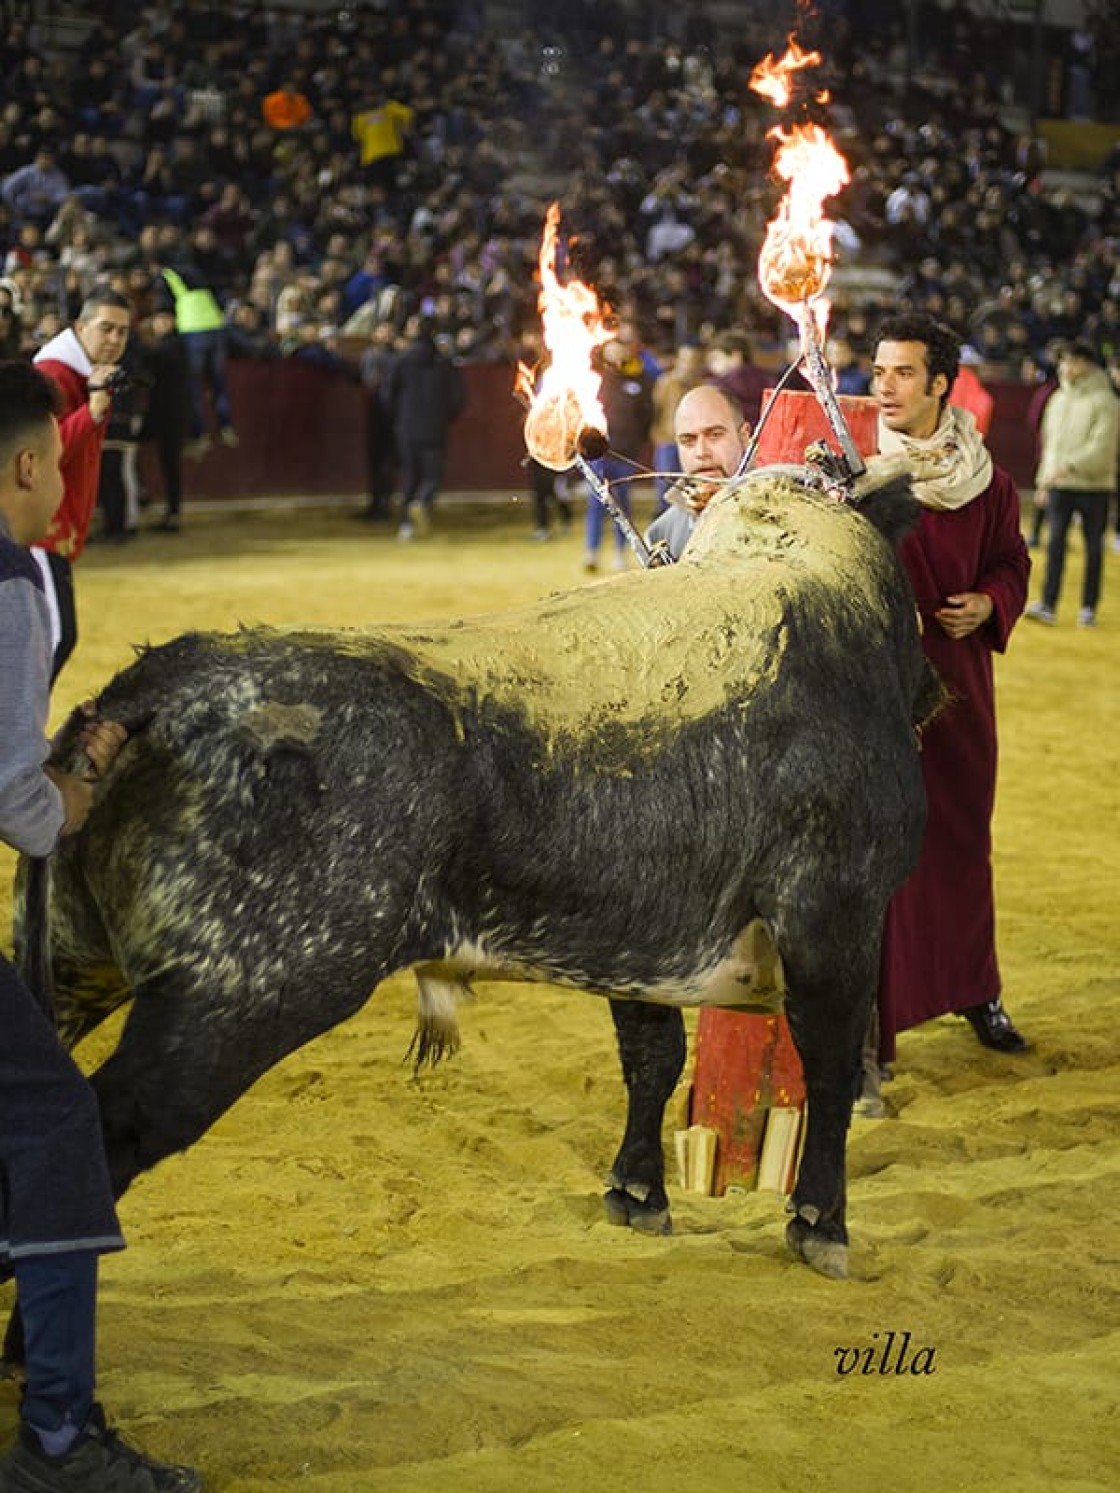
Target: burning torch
{"points": [[566, 425], [795, 262]]}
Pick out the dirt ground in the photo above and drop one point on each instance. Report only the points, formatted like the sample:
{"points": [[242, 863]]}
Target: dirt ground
{"points": [[360, 1281]]}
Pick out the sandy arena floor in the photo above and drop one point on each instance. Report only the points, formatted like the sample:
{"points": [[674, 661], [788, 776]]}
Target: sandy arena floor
{"points": [[361, 1282]]}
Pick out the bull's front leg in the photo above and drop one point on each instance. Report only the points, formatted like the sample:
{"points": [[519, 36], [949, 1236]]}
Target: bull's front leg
{"points": [[652, 1046]]}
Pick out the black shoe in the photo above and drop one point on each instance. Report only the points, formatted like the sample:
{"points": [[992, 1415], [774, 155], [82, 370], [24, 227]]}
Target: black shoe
{"points": [[168, 525], [98, 1462], [992, 1025]]}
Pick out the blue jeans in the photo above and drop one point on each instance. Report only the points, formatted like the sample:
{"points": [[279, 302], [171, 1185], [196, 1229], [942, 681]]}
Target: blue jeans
{"points": [[58, 1307], [618, 475], [666, 464], [206, 358]]}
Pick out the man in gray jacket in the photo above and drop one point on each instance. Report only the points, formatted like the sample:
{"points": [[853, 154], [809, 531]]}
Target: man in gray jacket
{"points": [[1079, 438], [57, 1215], [711, 437]]}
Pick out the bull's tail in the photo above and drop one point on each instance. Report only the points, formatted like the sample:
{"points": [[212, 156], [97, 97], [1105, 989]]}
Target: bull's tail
{"points": [[437, 1022], [32, 930]]}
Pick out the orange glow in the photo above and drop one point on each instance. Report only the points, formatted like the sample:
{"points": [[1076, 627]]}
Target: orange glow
{"points": [[566, 403], [773, 80]]}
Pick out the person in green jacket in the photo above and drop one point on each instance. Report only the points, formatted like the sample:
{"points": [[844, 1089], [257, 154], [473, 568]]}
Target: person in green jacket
{"points": [[201, 322]]}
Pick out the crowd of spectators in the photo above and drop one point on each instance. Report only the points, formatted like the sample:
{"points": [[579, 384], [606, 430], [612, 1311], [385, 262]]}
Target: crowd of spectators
{"points": [[330, 173]]}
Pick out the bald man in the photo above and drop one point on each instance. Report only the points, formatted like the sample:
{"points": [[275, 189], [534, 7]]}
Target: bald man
{"points": [[711, 437]]}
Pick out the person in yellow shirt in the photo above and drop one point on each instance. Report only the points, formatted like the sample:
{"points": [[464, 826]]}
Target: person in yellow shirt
{"points": [[381, 132]]}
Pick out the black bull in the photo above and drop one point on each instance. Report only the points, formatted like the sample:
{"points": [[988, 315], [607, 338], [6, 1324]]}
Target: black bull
{"points": [[675, 788]]}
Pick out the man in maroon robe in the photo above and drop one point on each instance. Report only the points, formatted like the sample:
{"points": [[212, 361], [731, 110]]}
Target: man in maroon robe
{"points": [[969, 567]]}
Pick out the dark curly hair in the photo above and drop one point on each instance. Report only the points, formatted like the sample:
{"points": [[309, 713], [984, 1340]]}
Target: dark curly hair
{"points": [[942, 345]]}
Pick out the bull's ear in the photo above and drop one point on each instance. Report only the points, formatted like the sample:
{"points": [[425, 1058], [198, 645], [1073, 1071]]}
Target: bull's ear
{"points": [[885, 496]]}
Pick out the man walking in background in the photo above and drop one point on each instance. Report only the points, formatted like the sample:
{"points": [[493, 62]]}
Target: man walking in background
{"points": [[425, 396], [375, 368], [1079, 440]]}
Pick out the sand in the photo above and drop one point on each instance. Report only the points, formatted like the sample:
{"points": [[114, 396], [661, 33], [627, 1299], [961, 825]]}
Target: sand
{"points": [[360, 1280]]}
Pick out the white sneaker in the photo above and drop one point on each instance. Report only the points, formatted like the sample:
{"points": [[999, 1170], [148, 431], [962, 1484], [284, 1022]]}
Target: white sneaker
{"points": [[1086, 617], [406, 531], [1039, 612]]}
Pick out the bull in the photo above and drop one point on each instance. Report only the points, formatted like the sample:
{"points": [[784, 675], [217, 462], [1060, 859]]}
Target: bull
{"points": [[696, 785]]}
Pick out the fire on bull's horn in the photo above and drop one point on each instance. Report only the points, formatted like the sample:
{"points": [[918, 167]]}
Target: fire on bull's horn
{"points": [[795, 262], [565, 425]]}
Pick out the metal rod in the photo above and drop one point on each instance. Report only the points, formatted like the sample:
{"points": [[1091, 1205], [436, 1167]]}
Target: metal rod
{"points": [[746, 461], [816, 371], [603, 493]]}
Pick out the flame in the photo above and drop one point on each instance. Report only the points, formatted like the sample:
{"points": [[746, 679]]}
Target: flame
{"points": [[795, 261], [774, 79], [566, 403]]}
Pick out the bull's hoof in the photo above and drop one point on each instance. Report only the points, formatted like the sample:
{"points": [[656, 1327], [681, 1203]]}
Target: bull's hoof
{"points": [[626, 1212], [825, 1256]]}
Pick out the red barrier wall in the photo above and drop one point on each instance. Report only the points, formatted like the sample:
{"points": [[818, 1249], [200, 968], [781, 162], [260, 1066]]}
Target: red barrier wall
{"points": [[302, 434]]}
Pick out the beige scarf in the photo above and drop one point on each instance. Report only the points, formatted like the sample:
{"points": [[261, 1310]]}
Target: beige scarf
{"points": [[950, 467]]}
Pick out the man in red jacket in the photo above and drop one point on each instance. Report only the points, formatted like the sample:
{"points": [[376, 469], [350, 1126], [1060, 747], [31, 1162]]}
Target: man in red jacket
{"points": [[82, 361]]}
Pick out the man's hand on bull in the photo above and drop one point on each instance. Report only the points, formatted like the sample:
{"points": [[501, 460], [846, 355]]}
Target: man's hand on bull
{"points": [[963, 613], [100, 741]]}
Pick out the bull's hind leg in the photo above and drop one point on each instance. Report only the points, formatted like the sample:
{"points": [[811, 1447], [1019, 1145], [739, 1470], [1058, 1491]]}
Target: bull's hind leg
{"points": [[186, 1054], [651, 1044], [828, 1012]]}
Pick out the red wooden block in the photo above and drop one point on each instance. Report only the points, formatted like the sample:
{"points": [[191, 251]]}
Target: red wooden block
{"points": [[798, 419], [744, 1065]]}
